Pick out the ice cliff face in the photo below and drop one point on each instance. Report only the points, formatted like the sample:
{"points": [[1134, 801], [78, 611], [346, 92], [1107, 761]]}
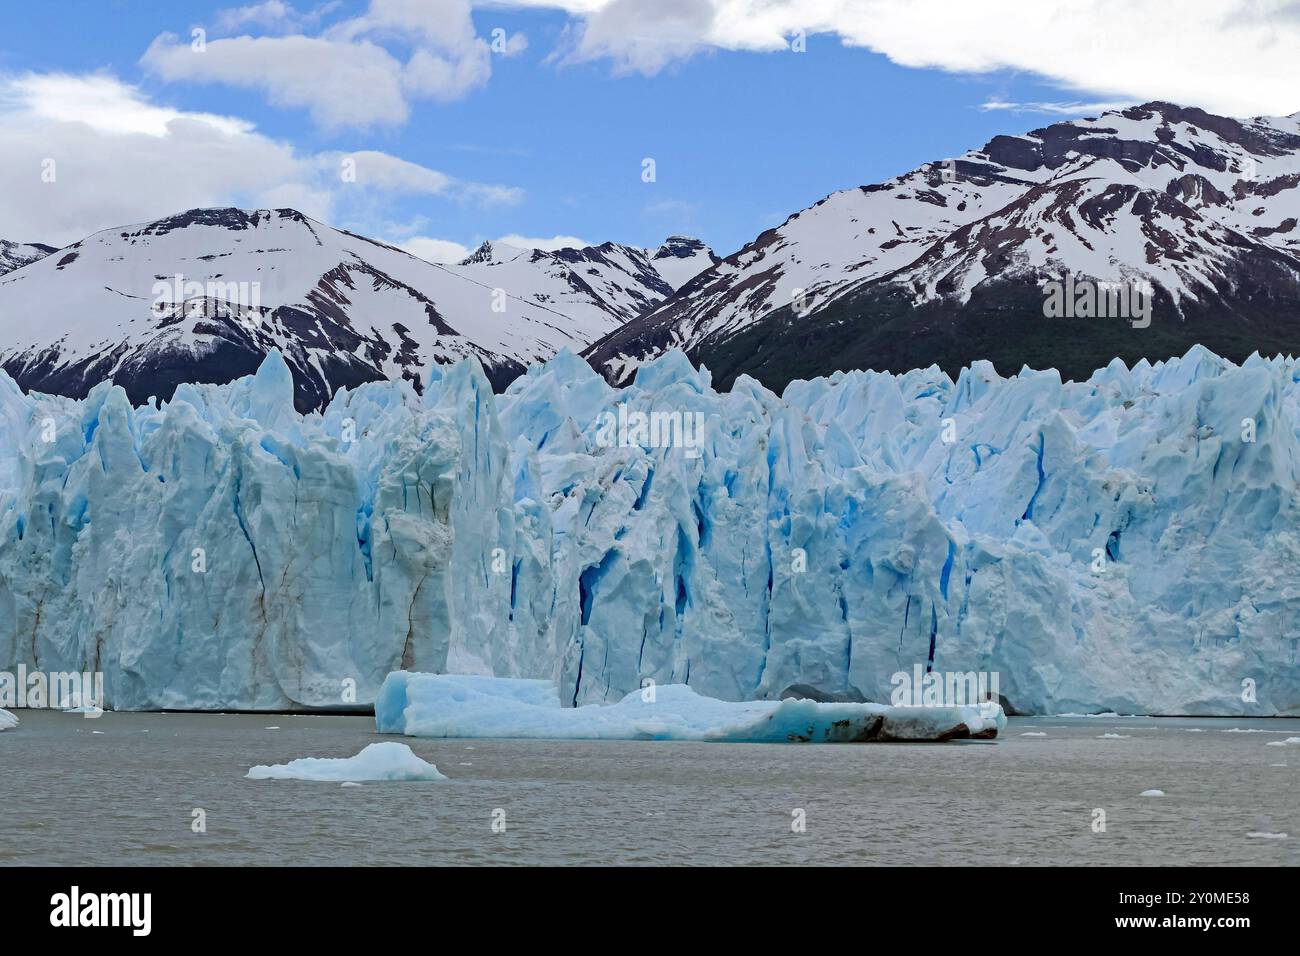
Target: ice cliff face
{"points": [[1127, 543]]}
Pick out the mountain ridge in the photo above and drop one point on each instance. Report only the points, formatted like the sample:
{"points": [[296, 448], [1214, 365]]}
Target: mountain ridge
{"points": [[1203, 208], [205, 294], [15, 255]]}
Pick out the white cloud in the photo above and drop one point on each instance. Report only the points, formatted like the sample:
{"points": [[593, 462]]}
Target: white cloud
{"points": [[1055, 109], [340, 84], [120, 158], [272, 15], [448, 251], [435, 250], [508, 46], [344, 76], [100, 102], [646, 35], [1231, 56], [368, 167], [546, 244]]}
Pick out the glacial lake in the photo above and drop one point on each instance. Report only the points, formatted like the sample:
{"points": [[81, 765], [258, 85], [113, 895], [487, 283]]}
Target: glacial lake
{"points": [[124, 788]]}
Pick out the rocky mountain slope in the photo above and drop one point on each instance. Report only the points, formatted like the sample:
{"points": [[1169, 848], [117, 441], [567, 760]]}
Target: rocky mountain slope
{"points": [[204, 295], [948, 263], [15, 255]]}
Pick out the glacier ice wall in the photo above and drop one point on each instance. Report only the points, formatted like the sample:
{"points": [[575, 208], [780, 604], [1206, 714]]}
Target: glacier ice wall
{"points": [[1128, 543]]}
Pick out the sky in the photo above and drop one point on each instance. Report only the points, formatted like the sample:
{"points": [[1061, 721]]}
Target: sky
{"points": [[437, 124]]}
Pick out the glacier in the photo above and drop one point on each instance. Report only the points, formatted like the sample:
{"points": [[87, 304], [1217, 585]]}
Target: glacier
{"points": [[1127, 543], [448, 705]]}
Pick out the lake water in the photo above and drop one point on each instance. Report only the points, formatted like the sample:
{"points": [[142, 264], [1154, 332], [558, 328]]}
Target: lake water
{"points": [[122, 788]]}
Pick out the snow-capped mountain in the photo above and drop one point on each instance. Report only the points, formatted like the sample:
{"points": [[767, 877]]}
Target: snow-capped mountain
{"points": [[681, 258], [204, 295], [15, 255], [947, 263]]}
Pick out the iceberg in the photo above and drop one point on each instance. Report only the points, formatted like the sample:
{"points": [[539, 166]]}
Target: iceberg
{"points": [[381, 761], [1130, 543], [7, 720], [443, 705]]}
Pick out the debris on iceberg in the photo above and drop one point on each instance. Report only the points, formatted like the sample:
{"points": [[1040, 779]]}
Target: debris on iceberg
{"points": [[381, 761], [1119, 544], [7, 720], [441, 705]]}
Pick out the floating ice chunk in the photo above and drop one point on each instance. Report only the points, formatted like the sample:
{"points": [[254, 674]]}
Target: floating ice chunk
{"points": [[429, 705], [90, 710], [380, 761], [1152, 793], [7, 720], [1113, 736], [1033, 733], [349, 783], [1264, 835], [1289, 742]]}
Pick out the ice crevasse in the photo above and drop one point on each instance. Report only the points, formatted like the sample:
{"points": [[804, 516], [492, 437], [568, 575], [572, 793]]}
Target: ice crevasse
{"points": [[1129, 543]]}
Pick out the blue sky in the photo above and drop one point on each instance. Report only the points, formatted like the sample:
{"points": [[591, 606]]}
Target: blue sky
{"points": [[543, 139]]}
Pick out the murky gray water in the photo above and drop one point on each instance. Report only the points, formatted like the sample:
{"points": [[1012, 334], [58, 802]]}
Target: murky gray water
{"points": [[121, 789]]}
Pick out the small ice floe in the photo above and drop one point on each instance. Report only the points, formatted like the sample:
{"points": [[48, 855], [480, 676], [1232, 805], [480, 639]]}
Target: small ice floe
{"points": [[1033, 733], [1113, 736], [349, 783], [382, 761], [89, 710], [1194, 730], [7, 720], [100, 732], [1152, 793], [272, 727], [1243, 730], [1265, 835], [1289, 742]]}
